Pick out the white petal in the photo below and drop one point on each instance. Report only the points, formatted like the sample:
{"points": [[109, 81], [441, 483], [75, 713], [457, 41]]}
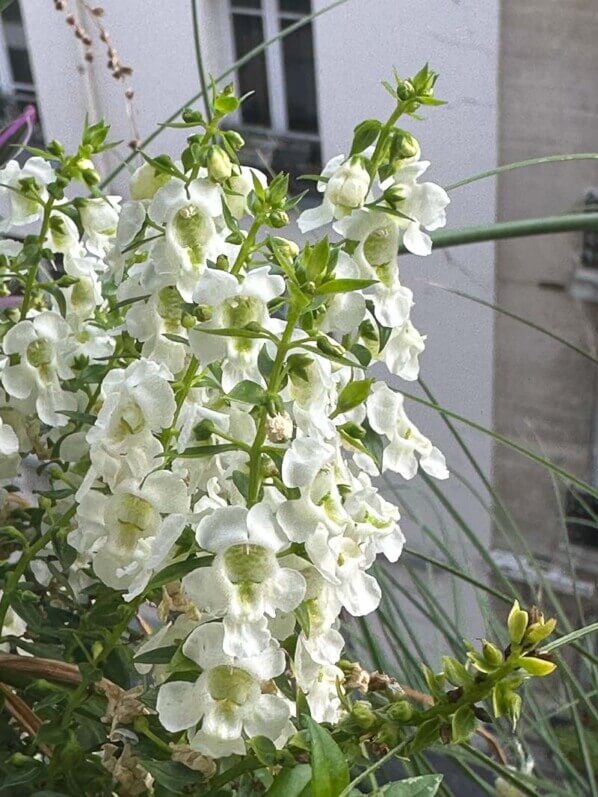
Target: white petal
{"points": [[268, 717], [360, 595], [178, 706], [262, 284], [287, 589], [243, 638], [18, 380], [18, 338], [204, 646], [168, 533], [303, 460], [215, 286], [316, 217], [435, 464], [416, 241], [262, 528], [204, 589], [222, 528], [166, 491]]}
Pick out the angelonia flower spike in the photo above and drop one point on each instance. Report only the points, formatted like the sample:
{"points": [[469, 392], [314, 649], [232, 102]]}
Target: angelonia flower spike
{"points": [[192, 394]]}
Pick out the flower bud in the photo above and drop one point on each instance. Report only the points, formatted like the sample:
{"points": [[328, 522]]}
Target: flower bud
{"points": [[288, 249], [492, 654], [405, 90], [387, 736], [218, 164], [349, 185], [88, 171], [362, 714], [234, 139], [394, 195], [278, 219], [403, 148], [401, 711], [517, 623], [145, 181], [537, 632]]}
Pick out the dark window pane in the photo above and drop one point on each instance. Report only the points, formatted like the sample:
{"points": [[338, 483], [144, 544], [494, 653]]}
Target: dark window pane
{"points": [[247, 3], [19, 65], [300, 79], [295, 6], [249, 32]]}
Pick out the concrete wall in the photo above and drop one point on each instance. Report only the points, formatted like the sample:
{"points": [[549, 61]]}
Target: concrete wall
{"points": [[357, 45], [545, 393]]}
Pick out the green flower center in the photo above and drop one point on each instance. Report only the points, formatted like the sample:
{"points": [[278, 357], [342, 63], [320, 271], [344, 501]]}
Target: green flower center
{"points": [[378, 247], [247, 564], [192, 231], [242, 310], [39, 353], [131, 518], [169, 306], [230, 684], [131, 420]]}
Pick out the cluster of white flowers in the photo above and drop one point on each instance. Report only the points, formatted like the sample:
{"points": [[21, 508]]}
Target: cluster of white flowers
{"points": [[202, 392]]}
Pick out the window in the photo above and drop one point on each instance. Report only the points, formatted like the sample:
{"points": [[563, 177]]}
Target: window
{"points": [[283, 105], [17, 89]]}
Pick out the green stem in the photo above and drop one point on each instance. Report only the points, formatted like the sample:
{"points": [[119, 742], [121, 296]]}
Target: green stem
{"points": [[247, 246], [181, 395], [27, 294], [273, 388], [549, 225], [198, 57]]}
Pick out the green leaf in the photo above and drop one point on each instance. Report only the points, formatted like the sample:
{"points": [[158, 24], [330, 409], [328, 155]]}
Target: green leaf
{"points": [[81, 417], [423, 786], [329, 767], [173, 776], [352, 395], [177, 570], [427, 734], [236, 332], [291, 782], [344, 286], [463, 725], [364, 135], [157, 656], [303, 618], [241, 482], [264, 749], [248, 392], [197, 452]]}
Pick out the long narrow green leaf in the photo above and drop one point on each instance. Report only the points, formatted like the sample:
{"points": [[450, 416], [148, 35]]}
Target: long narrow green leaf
{"points": [[519, 319], [509, 167], [569, 638], [520, 228]]}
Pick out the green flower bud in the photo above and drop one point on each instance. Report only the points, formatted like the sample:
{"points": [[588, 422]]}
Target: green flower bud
{"points": [[362, 714], [387, 736], [234, 139], [394, 195], [401, 711], [455, 672], [517, 623], [288, 249], [492, 654], [278, 219], [537, 632], [405, 90], [222, 262]]}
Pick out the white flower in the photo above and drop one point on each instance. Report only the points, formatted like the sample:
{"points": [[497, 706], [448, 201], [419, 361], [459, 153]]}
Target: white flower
{"points": [[401, 353], [22, 208], [63, 236], [137, 401], [149, 322], [376, 521], [43, 345], [191, 237], [378, 237], [342, 561], [319, 682], [125, 534], [346, 310], [99, 218], [423, 203], [226, 698], [246, 583], [233, 304], [346, 188], [406, 443]]}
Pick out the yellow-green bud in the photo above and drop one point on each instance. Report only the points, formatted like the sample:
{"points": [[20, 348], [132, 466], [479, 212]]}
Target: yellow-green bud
{"points": [[287, 248], [362, 714], [405, 89], [218, 164], [537, 632], [388, 735], [455, 672], [492, 654], [235, 139], [517, 623]]}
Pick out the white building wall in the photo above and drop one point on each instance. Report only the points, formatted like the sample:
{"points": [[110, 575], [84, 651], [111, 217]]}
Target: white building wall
{"points": [[357, 45]]}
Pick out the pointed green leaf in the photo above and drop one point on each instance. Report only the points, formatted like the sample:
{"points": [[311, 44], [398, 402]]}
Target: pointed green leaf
{"points": [[329, 767]]}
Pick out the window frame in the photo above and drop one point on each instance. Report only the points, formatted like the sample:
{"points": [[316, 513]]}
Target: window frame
{"points": [[275, 71]]}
